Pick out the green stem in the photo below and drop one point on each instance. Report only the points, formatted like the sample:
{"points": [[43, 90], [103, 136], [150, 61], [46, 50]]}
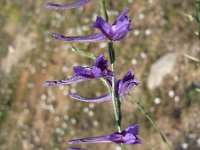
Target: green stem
{"points": [[164, 138], [116, 103], [197, 14], [116, 109], [103, 10], [112, 55]]}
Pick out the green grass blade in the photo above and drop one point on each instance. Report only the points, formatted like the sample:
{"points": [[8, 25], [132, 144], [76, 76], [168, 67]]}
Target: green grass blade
{"points": [[141, 107]]}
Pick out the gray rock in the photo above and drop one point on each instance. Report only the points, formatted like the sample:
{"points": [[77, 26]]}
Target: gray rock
{"points": [[162, 67]]}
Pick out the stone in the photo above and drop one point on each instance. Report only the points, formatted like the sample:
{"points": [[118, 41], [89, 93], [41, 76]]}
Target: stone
{"points": [[158, 71]]}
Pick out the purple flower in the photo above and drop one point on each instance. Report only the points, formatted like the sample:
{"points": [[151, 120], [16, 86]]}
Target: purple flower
{"points": [[122, 88], [114, 32], [98, 70], [125, 85], [128, 136], [76, 4]]}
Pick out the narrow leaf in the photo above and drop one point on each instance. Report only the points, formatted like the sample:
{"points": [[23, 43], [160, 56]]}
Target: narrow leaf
{"points": [[83, 53]]}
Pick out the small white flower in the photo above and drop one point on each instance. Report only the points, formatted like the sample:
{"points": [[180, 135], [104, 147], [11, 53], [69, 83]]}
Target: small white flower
{"points": [[171, 93], [157, 100], [185, 145]]}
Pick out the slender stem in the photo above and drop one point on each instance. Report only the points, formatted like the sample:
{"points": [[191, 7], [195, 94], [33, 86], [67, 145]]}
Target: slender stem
{"points": [[112, 55], [164, 138], [116, 110], [103, 10], [197, 14], [116, 103], [105, 83]]}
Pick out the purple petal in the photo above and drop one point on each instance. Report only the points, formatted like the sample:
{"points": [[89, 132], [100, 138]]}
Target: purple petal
{"points": [[83, 71], [91, 100], [65, 81], [116, 138], [121, 33], [100, 62], [128, 76], [128, 136], [99, 139], [134, 129], [125, 85], [97, 72], [76, 4], [123, 14], [110, 73], [121, 26], [103, 26], [87, 72], [90, 38]]}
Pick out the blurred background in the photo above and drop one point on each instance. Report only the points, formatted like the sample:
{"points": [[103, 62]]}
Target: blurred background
{"points": [[33, 117]]}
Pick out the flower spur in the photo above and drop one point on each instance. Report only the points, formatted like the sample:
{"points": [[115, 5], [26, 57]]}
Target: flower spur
{"points": [[76, 4]]}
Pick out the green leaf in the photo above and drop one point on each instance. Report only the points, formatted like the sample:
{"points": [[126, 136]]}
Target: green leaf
{"points": [[82, 53]]}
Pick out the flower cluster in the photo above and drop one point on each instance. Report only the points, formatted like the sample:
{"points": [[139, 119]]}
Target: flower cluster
{"points": [[99, 70]]}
